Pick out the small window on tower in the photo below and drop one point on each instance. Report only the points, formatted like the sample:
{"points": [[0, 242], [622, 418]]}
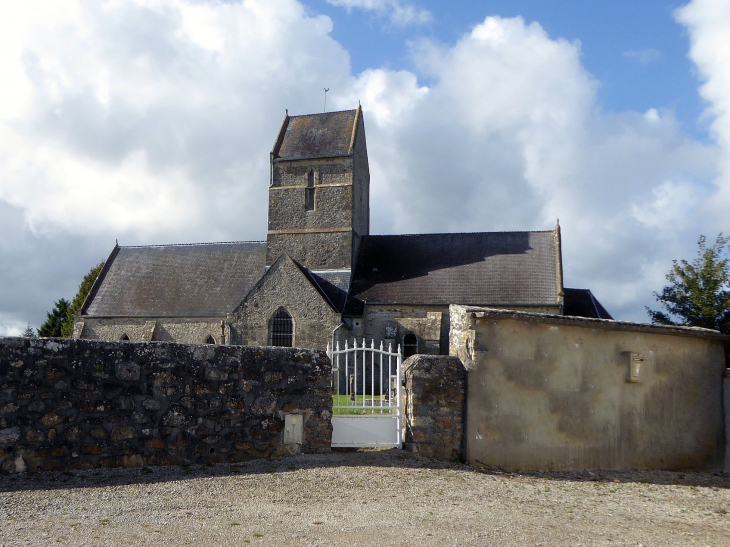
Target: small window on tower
{"points": [[309, 192]]}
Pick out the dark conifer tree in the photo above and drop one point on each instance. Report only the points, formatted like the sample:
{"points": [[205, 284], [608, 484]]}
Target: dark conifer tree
{"points": [[55, 319], [75, 307]]}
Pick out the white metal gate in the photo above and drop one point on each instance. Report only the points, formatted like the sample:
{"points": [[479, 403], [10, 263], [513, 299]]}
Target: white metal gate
{"points": [[366, 388]]}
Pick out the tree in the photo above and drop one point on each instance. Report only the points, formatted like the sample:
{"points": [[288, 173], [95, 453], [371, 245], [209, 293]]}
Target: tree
{"points": [[698, 293], [78, 301], [29, 332], [54, 319]]}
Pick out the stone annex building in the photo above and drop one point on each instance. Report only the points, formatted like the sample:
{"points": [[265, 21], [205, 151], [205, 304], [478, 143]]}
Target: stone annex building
{"points": [[320, 276]]}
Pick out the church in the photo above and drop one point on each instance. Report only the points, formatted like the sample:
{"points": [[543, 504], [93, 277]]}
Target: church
{"points": [[321, 277]]}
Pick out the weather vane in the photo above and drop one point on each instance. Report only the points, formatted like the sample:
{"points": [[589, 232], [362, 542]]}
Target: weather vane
{"points": [[326, 89]]}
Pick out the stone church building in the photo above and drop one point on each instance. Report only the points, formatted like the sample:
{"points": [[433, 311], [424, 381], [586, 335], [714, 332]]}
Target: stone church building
{"points": [[320, 276]]}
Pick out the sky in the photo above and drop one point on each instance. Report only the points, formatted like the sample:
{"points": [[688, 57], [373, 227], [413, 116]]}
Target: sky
{"points": [[150, 122]]}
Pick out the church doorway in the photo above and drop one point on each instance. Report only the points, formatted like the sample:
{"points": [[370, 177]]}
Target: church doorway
{"points": [[410, 345]]}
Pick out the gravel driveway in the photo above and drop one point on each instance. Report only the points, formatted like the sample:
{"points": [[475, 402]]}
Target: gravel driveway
{"points": [[386, 497]]}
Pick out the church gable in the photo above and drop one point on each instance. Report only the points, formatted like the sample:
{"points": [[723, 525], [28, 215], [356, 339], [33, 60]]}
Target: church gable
{"points": [[286, 287]]}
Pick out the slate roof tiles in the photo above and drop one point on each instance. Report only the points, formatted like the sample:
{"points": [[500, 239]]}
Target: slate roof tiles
{"points": [[315, 136], [207, 279], [511, 268]]}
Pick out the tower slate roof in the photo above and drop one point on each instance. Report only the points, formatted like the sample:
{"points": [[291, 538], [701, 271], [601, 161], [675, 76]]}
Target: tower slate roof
{"points": [[207, 279], [492, 268], [322, 135]]}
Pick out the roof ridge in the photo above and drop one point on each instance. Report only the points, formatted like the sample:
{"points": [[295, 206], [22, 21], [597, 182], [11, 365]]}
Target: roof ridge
{"points": [[465, 233], [189, 244], [321, 113]]}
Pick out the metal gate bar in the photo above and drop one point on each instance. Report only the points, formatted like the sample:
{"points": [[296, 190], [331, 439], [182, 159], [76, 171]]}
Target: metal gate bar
{"points": [[363, 421]]}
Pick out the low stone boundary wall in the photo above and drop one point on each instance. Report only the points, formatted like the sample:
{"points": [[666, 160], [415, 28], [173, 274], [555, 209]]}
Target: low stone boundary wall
{"points": [[435, 402], [79, 404]]}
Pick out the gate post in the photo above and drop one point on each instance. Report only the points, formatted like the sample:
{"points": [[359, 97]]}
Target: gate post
{"points": [[435, 406]]}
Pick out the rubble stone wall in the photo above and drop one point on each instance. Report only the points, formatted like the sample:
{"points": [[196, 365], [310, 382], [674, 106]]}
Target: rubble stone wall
{"points": [[435, 402], [79, 404]]}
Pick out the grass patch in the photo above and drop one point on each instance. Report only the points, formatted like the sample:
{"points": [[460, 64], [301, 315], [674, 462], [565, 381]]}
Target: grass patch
{"points": [[257, 535], [363, 404]]}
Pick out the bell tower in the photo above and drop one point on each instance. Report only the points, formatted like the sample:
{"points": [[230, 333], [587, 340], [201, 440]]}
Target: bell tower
{"points": [[319, 192]]}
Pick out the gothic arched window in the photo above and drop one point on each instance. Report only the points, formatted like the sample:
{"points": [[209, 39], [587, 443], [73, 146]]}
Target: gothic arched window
{"points": [[210, 339], [281, 329], [124, 337], [410, 345]]}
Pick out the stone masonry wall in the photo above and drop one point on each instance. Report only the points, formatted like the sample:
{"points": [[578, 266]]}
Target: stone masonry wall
{"points": [[79, 404], [161, 329], [435, 399]]}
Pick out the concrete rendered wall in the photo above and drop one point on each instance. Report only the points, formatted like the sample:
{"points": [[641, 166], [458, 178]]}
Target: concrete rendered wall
{"points": [[556, 393], [79, 404]]}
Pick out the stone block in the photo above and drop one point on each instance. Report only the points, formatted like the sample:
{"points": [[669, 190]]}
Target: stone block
{"points": [[124, 403], [151, 404], [128, 372], [35, 436], [157, 444], [92, 449], [8, 408], [36, 406], [98, 433], [122, 433], [74, 434], [51, 419]]}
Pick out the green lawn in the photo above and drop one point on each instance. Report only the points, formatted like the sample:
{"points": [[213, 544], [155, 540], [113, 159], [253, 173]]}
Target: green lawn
{"points": [[357, 407]]}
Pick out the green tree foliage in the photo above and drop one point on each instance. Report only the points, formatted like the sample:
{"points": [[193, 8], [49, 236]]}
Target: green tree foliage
{"points": [[54, 319], [75, 307], [698, 293], [29, 332]]}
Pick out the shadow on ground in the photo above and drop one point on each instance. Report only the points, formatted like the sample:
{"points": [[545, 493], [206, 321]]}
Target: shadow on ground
{"points": [[52, 480]]}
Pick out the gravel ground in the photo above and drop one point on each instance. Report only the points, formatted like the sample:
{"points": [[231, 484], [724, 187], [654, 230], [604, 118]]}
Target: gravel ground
{"points": [[386, 497]]}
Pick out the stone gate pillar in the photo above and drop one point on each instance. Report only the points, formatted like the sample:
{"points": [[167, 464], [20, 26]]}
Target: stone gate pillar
{"points": [[434, 406]]}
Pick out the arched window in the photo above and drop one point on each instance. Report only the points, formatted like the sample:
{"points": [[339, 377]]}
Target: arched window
{"points": [[210, 339], [410, 345], [124, 337], [281, 329]]}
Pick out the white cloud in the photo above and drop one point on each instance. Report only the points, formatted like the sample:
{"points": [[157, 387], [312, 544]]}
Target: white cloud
{"points": [[146, 116], [509, 137], [643, 56], [398, 12], [708, 22], [151, 121]]}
